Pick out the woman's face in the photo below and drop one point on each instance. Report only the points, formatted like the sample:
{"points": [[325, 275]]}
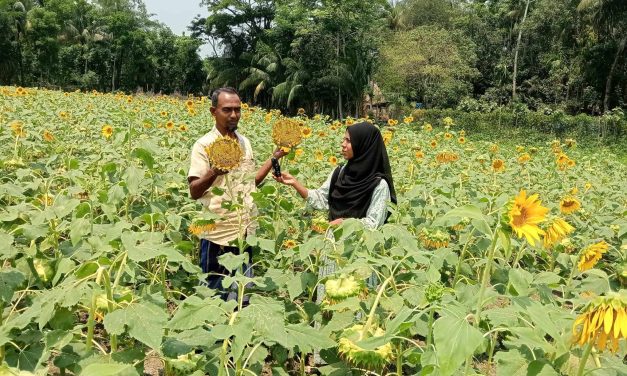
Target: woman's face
{"points": [[347, 148]]}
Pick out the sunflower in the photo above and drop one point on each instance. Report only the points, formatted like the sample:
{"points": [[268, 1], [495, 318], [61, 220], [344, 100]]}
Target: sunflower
{"points": [[419, 154], [201, 227], [524, 158], [298, 152], [556, 231], [301, 111], [64, 115], [343, 287], [289, 243], [494, 148], [387, 137], [268, 117], [433, 144], [333, 160], [164, 113], [48, 136], [462, 133], [591, 255], [570, 142], [447, 121], [322, 134], [370, 359], [427, 127], [498, 165], [525, 214], [169, 125], [569, 205], [461, 140], [587, 186], [392, 122], [306, 132], [433, 238], [107, 130], [224, 153], [318, 155], [603, 323], [245, 106], [183, 128], [18, 129], [520, 149], [349, 121], [286, 133], [408, 119], [189, 103], [446, 157]]}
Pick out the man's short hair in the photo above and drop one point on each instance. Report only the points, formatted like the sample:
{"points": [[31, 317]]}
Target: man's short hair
{"points": [[216, 93]]}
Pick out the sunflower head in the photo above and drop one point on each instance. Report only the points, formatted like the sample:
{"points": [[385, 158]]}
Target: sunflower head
{"points": [[524, 216], [556, 231], [498, 165], [591, 255], [370, 359], [289, 243], [201, 227], [603, 322], [286, 133], [306, 131], [569, 204], [433, 238], [225, 153], [343, 287], [107, 130], [49, 137]]}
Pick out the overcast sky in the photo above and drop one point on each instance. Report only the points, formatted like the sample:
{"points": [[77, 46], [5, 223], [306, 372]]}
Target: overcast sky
{"points": [[177, 15]]}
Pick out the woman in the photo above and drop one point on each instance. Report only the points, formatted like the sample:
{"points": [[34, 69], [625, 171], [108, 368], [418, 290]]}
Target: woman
{"points": [[361, 188]]}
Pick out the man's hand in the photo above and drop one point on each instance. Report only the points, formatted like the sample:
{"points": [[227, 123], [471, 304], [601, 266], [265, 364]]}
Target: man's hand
{"points": [[219, 172], [279, 153]]}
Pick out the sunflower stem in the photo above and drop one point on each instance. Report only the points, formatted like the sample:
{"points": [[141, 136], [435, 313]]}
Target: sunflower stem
{"points": [[376, 303], [584, 359]]}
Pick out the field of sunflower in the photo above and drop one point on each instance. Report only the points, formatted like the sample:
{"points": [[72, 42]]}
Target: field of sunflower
{"points": [[497, 260]]}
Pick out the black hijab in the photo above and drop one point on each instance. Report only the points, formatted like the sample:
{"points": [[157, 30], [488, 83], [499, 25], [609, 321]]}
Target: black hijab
{"points": [[351, 189]]}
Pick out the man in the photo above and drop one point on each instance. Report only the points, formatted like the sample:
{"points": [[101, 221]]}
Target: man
{"points": [[203, 178]]}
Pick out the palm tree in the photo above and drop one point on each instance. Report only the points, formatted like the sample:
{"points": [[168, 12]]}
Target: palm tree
{"points": [[610, 19]]}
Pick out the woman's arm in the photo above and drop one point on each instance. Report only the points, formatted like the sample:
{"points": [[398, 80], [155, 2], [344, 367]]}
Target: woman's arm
{"points": [[288, 179], [316, 198], [378, 209]]}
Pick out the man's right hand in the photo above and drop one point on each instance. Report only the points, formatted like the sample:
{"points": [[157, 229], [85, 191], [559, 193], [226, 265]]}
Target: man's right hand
{"points": [[218, 172]]}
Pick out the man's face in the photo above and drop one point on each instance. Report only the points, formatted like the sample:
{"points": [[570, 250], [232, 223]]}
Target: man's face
{"points": [[227, 112]]}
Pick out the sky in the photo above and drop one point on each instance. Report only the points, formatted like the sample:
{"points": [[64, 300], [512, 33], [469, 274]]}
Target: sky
{"points": [[177, 15]]}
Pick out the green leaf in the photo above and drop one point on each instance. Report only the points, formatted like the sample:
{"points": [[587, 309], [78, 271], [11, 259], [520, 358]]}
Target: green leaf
{"points": [[109, 369], [80, 227], [520, 280], [455, 340], [511, 363], [145, 322], [232, 261], [306, 338], [10, 280], [145, 156], [195, 312]]}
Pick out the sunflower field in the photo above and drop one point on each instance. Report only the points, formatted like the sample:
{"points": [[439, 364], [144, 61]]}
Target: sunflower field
{"points": [[498, 259]]}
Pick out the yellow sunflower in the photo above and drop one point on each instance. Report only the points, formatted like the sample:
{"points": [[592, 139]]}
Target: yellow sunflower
{"points": [[164, 113], [603, 323], [169, 125], [107, 130], [448, 136], [427, 127], [408, 119], [569, 204], [591, 255], [48, 136], [225, 153], [201, 227], [556, 231], [524, 158], [494, 148], [301, 111], [349, 121], [433, 144], [318, 155], [461, 140], [447, 121], [419, 154], [525, 214], [498, 165], [286, 133], [183, 128], [306, 132], [289, 243], [333, 160]]}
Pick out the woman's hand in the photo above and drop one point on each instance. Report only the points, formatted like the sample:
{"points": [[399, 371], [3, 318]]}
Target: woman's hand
{"points": [[286, 179], [336, 222]]}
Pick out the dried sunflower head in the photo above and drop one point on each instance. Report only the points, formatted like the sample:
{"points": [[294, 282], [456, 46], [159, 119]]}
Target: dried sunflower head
{"points": [[225, 153], [286, 133], [369, 359], [343, 287]]}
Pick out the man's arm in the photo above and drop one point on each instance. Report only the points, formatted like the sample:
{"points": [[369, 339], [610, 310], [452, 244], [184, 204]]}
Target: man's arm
{"points": [[199, 185]]}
